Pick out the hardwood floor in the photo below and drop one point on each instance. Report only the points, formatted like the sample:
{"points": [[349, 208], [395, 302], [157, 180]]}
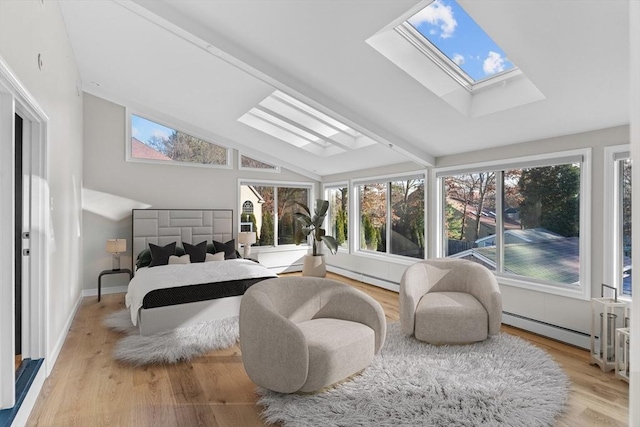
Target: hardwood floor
{"points": [[88, 388]]}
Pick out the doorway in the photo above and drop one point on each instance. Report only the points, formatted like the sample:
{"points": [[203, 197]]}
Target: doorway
{"points": [[24, 200]]}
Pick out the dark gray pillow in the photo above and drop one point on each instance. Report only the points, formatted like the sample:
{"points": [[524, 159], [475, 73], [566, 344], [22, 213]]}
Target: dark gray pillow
{"points": [[144, 259], [160, 254], [228, 248], [197, 253]]}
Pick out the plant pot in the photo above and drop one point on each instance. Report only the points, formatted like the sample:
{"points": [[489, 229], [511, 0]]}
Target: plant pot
{"points": [[314, 266]]}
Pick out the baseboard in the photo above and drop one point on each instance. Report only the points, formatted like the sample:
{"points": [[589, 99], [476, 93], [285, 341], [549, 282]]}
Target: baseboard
{"points": [[104, 291], [365, 278], [286, 268], [50, 361], [569, 336]]}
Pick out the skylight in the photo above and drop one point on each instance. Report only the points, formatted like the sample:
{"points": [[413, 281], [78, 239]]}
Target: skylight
{"points": [[457, 43], [302, 126]]}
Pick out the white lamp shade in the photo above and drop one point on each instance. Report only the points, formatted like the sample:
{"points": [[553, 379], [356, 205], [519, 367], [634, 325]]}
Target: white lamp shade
{"points": [[115, 246], [247, 237]]}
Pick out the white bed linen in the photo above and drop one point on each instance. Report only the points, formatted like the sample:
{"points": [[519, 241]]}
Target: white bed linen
{"points": [[169, 276]]}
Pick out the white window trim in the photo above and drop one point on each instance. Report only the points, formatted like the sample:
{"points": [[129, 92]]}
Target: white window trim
{"points": [[245, 168], [261, 182], [354, 222], [612, 234], [168, 123], [583, 289]]}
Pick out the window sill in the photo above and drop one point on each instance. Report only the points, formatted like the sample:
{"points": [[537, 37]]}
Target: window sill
{"points": [[570, 291], [379, 256]]}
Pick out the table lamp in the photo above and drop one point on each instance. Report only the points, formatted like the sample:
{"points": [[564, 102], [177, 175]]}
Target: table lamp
{"points": [[115, 247], [247, 238]]}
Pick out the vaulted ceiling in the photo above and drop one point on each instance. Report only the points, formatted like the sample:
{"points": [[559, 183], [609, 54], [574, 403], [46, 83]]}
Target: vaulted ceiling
{"points": [[204, 64]]}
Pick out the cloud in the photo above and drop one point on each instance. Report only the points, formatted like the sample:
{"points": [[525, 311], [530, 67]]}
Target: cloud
{"points": [[437, 14], [135, 132], [458, 59], [160, 134], [493, 63]]}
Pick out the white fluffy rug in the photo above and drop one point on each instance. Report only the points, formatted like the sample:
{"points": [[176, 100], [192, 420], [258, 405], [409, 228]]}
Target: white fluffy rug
{"points": [[504, 381], [177, 345]]}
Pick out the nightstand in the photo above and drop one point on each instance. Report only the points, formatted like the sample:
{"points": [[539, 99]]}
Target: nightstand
{"points": [[120, 271]]}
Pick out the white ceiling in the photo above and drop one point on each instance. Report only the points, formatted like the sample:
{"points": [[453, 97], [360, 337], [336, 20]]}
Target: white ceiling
{"points": [[202, 64]]}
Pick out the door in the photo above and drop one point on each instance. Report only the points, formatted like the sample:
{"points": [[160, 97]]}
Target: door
{"points": [[21, 234]]}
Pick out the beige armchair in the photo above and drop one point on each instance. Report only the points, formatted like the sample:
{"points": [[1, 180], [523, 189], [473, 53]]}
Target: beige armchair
{"points": [[306, 333], [450, 301]]}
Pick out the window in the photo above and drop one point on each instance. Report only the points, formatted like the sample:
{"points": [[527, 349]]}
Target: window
{"points": [[624, 167], [520, 221], [444, 50], [618, 219], [151, 141], [273, 208], [338, 214], [250, 163], [296, 123], [391, 216], [457, 44]]}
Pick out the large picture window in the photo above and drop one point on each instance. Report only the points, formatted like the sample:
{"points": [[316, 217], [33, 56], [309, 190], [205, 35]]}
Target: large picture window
{"points": [[272, 211], [151, 141], [391, 216], [519, 221]]}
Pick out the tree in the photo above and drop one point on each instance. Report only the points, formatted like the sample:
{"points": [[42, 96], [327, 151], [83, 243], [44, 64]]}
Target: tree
{"points": [[551, 199], [182, 147], [473, 192], [266, 231], [341, 227]]}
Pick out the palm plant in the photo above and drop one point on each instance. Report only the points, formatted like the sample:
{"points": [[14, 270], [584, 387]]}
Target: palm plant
{"points": [[312, 225]]}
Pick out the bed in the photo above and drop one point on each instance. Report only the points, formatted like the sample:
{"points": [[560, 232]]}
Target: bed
{"points": [[180, 293]]}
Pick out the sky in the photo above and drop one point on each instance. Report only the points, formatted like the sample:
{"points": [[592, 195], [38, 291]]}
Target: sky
{"points": [[445, 24], [143, 129]]}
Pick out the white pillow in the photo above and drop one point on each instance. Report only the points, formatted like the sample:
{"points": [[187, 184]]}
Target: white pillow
{"points": [[184, 259], [214, 257]]}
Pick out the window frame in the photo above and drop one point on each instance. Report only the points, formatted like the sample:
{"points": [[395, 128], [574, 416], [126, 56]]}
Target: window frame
{"points": [[428, 49], [583, 289], [354, 221], [170, 124], [276, 169], [310, 186], [612, 268]]}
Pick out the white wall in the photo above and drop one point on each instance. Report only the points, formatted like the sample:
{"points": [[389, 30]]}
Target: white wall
{"points": [[157, 185], [27, 29]]}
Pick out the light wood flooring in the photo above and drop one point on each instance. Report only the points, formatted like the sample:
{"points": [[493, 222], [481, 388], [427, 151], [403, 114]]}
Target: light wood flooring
{"points": [[87, 388]]}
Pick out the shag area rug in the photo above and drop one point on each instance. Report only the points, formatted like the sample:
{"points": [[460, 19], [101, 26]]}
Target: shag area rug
{"points": [[503, 381], [177, 345]]}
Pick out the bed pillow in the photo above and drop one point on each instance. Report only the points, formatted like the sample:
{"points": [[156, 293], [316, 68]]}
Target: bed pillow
{"points": [[160, 254], [196, 252], [228, 248], [214, 257], [144, 258], [184, 259]]}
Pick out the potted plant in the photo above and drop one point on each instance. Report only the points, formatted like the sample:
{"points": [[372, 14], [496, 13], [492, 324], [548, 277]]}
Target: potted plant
{"points": [[314, 264]]}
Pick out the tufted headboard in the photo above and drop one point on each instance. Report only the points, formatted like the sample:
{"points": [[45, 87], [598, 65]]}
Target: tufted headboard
{"points": [[164, 226]]}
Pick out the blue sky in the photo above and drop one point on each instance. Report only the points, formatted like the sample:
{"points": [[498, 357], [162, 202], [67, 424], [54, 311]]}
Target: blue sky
{"points": [[143, 129], [445, 24]]}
